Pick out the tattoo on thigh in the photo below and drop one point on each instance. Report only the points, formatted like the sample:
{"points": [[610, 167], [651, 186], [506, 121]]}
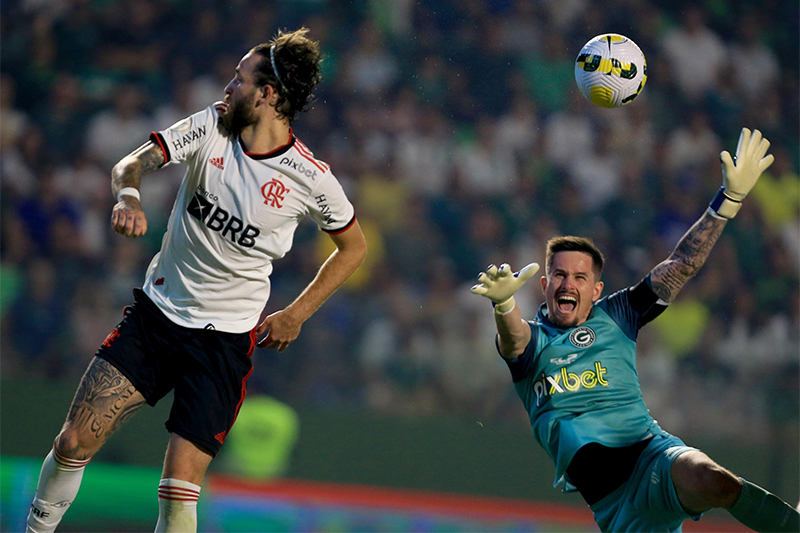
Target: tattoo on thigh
{"points": [[104, 400]]}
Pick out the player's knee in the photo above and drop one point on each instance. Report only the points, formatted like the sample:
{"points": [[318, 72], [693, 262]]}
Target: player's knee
{"points": [[715, 485], [73, 444]]}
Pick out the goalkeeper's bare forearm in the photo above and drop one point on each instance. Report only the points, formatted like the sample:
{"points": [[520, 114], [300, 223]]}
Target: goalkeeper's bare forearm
{"points": [[513, 333], [499, 286]]}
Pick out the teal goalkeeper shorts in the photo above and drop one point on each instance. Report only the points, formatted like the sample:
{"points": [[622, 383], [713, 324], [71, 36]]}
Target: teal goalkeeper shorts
{"points": [[647, 501]]}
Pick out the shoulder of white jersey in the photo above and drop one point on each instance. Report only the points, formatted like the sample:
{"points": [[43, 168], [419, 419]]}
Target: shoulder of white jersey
{"points": [[303, 150], [182, 133]]}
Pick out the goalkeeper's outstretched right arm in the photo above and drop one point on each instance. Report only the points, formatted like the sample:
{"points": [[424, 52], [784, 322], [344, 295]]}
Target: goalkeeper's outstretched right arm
{"points": [[499, 286]]}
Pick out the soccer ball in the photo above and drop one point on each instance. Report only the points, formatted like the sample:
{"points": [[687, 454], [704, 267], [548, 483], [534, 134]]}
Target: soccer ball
{"points": [[610, 70]]}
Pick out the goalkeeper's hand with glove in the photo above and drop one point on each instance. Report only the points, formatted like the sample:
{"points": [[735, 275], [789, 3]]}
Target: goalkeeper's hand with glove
{"points": [[500, 284], [741, 173]]}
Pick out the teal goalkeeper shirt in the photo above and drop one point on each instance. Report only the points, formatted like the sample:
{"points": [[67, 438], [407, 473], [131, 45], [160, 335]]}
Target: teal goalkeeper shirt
{"points": [[580, 385]]}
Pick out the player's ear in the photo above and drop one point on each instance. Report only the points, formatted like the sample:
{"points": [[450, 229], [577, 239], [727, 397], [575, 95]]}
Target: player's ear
{"points": [[266, 94], [543, 279], [598, 290], [273, 96]]}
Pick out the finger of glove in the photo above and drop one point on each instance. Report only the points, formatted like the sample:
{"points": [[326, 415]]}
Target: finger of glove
{"points": [[753, 145], [762, 148], [744, 140], [504, 270], [480, 290], [727, 162], [491, 270], [527, 272], [485, 279], [766, 162]]}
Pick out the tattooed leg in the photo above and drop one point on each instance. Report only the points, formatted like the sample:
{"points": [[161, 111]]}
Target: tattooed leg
{"points": [[104, 400]]}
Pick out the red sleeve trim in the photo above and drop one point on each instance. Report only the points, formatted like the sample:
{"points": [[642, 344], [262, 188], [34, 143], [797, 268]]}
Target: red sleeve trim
{"points": [[342, 230], [157, 138]]}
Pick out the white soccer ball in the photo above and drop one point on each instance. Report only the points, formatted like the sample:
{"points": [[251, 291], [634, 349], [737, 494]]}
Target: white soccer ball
{"points": [[610, 70]]}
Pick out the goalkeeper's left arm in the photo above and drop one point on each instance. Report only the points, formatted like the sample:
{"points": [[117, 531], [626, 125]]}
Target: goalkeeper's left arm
{"points": [[739, 175], [499, 286]]}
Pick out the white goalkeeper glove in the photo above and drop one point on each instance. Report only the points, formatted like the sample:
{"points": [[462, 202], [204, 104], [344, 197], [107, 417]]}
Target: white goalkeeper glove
{"points": [[741, 173], [500, 284]]}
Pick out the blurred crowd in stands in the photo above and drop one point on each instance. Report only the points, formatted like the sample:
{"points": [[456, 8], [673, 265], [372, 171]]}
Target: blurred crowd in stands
{"points": [[458, 132]]}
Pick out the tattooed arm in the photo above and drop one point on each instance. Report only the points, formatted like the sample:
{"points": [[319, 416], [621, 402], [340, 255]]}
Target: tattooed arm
{"points": [[739, 175], [127, 217], [669, 276]]}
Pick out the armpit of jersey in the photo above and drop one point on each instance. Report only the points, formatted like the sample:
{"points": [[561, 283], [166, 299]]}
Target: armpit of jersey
{"points": [[632, 308], [646, 302]]}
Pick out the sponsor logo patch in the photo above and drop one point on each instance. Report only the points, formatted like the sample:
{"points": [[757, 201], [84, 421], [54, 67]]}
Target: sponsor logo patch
{"points": [[187, 138], [217, 219], [324, 209], [565, 381], [564, 360], [38, 512], [299, 167]]}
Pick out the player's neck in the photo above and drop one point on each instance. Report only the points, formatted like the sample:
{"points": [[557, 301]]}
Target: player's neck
{"points": [[266, 136]]}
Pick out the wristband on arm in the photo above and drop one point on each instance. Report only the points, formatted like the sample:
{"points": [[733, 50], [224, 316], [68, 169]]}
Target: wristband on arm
{"points": [[724, 206], [128, 191]]}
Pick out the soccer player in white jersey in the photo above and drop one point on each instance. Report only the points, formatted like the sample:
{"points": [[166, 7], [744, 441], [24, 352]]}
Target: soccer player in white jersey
{"points": [[194, 324]]}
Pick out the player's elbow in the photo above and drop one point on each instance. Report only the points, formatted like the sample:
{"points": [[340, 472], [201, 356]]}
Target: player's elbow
{"points": [[362, 252], [689, 268], [510, 348], [358, 249], [683, 267], [125, 166]]}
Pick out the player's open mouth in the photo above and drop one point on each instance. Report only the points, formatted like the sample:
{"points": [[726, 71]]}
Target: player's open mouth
{"points": [[566, 304]]}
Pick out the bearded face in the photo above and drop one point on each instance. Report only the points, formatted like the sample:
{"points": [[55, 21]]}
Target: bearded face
{"points": [[241, 96], [239, 115]]}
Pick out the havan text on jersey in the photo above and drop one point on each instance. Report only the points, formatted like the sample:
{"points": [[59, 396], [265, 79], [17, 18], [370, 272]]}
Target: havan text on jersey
{"points": [[187, 138], [217, 219]]}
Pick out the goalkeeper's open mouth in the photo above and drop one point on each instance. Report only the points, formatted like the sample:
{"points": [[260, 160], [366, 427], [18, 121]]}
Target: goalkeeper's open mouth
{"points": [[566, 304]]}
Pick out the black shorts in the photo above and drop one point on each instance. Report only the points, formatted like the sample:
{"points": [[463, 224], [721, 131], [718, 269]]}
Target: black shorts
{"points": [[208, 369]]}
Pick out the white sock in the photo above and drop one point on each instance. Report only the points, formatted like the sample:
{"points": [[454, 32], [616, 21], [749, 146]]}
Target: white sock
{"points": [[177, 506], [59, 482]]}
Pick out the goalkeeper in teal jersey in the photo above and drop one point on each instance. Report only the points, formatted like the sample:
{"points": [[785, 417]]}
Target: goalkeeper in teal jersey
{"points": [[574, 367]]}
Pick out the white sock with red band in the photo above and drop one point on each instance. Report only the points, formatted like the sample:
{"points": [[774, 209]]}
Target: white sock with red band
{"points": [[59, 482], [177, 506]]}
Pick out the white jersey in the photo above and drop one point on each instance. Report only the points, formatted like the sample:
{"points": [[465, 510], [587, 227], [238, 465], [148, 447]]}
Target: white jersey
{"points": [[235, 213]]}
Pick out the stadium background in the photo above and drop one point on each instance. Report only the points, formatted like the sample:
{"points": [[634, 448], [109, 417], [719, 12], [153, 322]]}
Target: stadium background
{"points": [[457, 131]]}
